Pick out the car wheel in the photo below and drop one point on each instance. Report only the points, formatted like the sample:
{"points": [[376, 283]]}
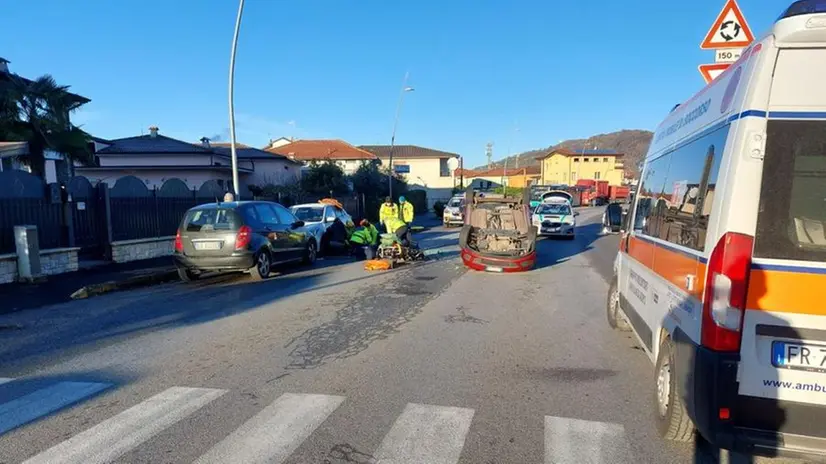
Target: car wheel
{"points": [[263, 266], [311, 253], [186, 275], [672, 418], [615, 319]]}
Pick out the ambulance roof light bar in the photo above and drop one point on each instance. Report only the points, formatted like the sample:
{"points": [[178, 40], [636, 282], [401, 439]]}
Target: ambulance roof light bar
{"points": [[804, 7]]}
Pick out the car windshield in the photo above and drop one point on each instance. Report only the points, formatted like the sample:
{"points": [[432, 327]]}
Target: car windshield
{"points": [[455, 203], [211, 219], [553, 209], [308, 213]]}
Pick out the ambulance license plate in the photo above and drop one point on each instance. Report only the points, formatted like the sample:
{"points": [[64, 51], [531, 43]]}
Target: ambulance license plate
{"points": [[493, 269], [799, 356]]}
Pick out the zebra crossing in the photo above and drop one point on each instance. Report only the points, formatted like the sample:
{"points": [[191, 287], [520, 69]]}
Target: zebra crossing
{"points": [[421, 433]]}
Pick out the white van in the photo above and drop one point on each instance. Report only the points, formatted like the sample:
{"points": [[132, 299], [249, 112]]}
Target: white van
{"points": [[722, 273]]}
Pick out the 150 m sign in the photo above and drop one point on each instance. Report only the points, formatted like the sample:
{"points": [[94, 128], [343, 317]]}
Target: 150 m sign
{"points": [[727, 55]]}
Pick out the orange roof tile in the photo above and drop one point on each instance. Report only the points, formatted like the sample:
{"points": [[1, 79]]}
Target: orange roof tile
{"points": [[317, 150]]}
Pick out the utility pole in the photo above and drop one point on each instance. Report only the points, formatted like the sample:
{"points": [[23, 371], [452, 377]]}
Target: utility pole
{"points": [[489, 153], [405, 89], [233, 154]]}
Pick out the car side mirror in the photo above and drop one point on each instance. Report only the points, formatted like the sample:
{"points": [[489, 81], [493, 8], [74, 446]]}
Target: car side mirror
{"points": [[297, 224], [330, 219]]}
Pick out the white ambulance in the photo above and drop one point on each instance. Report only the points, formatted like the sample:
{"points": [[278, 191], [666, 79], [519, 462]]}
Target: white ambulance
{"points": [[721, 273]]}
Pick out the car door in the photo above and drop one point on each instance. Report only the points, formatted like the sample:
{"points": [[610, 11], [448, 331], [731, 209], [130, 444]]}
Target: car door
{"points": [[275, 232], [295, 237]]}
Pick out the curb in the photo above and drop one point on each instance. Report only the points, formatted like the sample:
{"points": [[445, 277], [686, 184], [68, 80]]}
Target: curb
{"points": [[143, 280]]}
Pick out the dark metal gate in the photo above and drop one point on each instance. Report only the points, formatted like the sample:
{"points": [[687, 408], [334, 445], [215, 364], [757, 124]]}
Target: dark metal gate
{"points": [[86, 207]]}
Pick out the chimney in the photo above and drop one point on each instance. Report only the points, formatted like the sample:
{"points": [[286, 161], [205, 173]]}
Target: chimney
{"points": [[4, 65], [205, 142], [153, 131]]}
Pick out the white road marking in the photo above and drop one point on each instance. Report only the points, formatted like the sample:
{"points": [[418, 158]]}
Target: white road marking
{"points": [[577, 441], [120, 434], [44, 401], [427, 435], [5, 380], [273, 434]]}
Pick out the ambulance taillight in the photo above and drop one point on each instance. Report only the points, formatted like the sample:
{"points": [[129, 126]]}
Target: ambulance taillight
{"points": [[724, 301]]}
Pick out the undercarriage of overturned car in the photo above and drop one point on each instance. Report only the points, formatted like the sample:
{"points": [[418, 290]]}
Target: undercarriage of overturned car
{"points": [[497, 235]]}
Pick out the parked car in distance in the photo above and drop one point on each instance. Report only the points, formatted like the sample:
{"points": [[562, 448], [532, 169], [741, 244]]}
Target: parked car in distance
{"points": [[555, 217], [498, 235], [318, 218], [243, 236], [454, 213]]}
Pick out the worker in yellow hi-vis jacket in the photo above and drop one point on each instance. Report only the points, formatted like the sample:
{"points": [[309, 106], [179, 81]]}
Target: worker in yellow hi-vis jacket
{"points": [[388, 210]]}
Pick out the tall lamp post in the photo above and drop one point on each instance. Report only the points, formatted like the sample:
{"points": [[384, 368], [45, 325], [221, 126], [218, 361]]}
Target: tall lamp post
{"points": [[234, 155], [404, 90]]}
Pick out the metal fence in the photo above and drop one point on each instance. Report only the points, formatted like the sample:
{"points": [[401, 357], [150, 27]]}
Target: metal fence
{"points": [[48, 217], [147, 217], [79, 214]]}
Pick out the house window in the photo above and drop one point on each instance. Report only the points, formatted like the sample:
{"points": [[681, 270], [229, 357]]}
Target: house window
{"points": [[401, 168], [596, 175], [576, 160], [444, 170], [585, 160], [604, 160]]}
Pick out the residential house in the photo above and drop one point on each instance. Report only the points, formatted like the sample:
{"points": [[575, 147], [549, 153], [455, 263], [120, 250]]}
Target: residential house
{"points": [[524, 177], [155, 158], [425, 168], [13, 154], [563, 166], [279, 142], [342, 153]]}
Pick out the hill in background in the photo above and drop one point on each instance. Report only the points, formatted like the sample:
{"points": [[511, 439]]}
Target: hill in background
{"points": [[633, 143]]}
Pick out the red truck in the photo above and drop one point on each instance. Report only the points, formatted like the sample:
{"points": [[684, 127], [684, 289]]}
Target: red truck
{"points": [[618, 192]]}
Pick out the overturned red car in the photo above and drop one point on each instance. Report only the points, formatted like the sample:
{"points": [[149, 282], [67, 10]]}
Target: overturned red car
{"points": [[497, 235]]}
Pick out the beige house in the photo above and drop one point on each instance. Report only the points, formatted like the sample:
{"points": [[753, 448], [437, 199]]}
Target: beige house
{"points": [[421, 167], [155, 158]]}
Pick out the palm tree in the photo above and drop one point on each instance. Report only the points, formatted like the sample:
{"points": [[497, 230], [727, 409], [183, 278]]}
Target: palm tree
{"points": [[38, 112]]}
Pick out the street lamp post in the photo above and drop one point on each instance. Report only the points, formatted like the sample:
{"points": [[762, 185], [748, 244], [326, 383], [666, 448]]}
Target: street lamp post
{"points": [[234, 155], [404, 90]]}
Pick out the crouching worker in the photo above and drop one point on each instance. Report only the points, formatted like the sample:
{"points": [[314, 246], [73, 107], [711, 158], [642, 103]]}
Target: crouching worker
{"points": [[398, 227], [363, 240]]}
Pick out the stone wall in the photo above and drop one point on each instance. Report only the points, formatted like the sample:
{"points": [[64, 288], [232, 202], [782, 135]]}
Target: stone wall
{"points": [[134, 250], [52, 262], [8, 268]]}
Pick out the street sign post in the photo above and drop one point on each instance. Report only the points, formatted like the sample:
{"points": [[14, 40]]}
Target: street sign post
{"points": [[729, 34], [711, 71]]}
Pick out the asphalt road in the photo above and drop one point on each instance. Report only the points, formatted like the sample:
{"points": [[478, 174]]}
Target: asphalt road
{"points": [[334, 364]]}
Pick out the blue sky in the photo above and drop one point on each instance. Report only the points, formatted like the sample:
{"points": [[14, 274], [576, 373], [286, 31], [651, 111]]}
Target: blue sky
{"points": [[333, 68]]}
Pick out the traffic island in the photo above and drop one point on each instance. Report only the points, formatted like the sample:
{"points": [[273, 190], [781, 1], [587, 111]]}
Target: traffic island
{"points": [[143, 280]]}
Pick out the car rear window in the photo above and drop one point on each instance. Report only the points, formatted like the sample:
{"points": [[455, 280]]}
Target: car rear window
{"points": [[791, 221], [211, 219], [308, 213]]}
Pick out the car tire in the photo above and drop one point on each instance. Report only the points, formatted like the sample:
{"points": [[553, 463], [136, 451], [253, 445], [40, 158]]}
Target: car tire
{"points": [[263, 266], [673, 422], [187, 276], [310, 253], [615, 319]]}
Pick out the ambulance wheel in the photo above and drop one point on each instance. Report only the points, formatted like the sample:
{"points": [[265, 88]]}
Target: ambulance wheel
{"points": [[615, 319], [671, 416]]}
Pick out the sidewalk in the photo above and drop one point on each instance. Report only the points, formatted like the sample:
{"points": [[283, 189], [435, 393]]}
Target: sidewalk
{"points": [[59, 288]]}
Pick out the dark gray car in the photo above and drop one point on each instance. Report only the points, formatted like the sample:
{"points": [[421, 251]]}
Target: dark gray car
{"points": [[248, 236]]}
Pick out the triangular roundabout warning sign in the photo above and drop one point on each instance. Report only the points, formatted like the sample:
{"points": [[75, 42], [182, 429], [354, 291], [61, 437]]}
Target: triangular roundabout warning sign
{"points": [[730, 29], [711, 71]]}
